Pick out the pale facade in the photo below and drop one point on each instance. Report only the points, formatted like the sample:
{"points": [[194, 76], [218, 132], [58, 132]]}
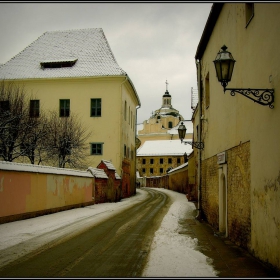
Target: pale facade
{"points": [[163, 123], [239, 166], [156, 158], [94, 76]]}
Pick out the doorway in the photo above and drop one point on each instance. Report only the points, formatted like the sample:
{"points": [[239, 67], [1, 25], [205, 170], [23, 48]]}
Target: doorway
{"points": [[223, 200]]}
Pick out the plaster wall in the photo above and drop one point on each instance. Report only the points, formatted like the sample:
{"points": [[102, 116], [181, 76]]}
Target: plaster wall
{"points": [[233, 120], [31, 192]]}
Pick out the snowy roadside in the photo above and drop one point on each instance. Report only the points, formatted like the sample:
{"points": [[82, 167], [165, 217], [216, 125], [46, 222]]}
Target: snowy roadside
{"points": [[172, 254]]}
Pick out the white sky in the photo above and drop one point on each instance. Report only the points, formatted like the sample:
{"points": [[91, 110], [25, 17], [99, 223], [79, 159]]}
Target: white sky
{"points": [[172, 254], [152, 42]]}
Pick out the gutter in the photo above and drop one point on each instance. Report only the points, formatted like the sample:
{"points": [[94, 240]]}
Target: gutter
{"points": [[199, 212]]}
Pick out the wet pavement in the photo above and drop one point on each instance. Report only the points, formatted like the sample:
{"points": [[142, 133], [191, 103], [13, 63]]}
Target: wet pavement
{"points": [[228, 259]]}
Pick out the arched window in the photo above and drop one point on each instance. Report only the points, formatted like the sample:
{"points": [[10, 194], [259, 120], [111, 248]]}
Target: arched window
{"points": [[170, 125]]}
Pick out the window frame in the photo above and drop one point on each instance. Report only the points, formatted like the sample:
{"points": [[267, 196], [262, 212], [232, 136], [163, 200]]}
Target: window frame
{"points": [[64, 106], [34, 108], [99, 146], [96, 110]]}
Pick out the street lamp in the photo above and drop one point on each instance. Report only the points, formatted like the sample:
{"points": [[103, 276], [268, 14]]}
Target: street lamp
{"points": [[182, 132], [224, 64]]}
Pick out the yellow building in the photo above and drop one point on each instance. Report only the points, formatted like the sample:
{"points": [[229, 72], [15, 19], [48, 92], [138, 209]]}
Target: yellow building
{"points": [[76, 72], [156, 158], [238, 169], [164, 122]]}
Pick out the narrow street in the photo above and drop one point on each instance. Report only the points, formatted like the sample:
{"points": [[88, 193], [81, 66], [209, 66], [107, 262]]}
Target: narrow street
{"points": [[116, 247]]}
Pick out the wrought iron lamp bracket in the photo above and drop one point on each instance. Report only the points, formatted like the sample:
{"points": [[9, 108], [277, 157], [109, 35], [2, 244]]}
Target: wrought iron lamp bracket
{"points": [[264, 97], [198, 145]]}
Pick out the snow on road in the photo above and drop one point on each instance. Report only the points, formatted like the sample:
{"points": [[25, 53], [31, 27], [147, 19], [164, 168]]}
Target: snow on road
{"points": [[172, 254]]}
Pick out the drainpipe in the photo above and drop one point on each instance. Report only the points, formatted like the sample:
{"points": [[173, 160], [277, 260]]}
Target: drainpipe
{"points": [[136, 117], [199, 210], [120, 133]]}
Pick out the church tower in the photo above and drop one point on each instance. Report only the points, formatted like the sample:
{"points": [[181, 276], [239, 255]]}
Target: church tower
{"points": [[166, 98], [163, 123]]}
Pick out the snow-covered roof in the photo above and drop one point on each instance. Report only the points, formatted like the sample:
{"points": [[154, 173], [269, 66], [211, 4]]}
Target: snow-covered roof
{"points": [[98, 173], [117, 176], [109, 164], [88, 46], [13, 166], [164, 148], [178, 168], [188, 124]]}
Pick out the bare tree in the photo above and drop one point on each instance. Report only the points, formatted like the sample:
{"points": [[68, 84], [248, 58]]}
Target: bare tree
{"points": [[32, 140], [67, 141], [44, 138], [13, 112]]}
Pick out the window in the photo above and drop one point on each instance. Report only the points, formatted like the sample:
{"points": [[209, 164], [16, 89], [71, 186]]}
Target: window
{"points": [[34, 109], [143, 170], [143, 161], [125, 110], [96, 148], [124, 150], [64, 107], [151, 161], [95, 107], [249, 12], [169, 160], [169, 124], [207, 92], [4, 106], [161, 160], [151, 171], [58, 64], [161, 170], [178, 160]]}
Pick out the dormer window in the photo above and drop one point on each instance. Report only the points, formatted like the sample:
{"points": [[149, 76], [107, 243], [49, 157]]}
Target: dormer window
{"points": [[58, 63]]}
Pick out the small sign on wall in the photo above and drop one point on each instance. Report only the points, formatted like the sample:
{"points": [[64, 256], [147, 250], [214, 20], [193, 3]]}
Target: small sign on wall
{"points": [[221, 157]]}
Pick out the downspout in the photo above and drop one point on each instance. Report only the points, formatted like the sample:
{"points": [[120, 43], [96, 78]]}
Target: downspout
{"points": [[136, 117], [121, 120], [199, 210]]}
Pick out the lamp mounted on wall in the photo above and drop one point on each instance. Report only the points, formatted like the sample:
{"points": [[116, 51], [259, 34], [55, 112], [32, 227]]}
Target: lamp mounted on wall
{"points": [[182, 132], [224, 64]]}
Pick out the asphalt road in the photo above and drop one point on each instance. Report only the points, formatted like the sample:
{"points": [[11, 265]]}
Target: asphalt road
{"points": [[116, 247]]}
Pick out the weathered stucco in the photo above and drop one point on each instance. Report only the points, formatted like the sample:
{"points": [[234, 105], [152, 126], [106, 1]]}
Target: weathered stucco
{"points": [[247, 131], [30, 192]]}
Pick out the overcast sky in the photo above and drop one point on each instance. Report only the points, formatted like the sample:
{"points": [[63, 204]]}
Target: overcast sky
{"points": [[152, 42]]}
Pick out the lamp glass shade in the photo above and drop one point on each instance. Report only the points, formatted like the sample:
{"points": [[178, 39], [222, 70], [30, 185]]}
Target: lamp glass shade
{"points": [[224, 64], [182, 131]]}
